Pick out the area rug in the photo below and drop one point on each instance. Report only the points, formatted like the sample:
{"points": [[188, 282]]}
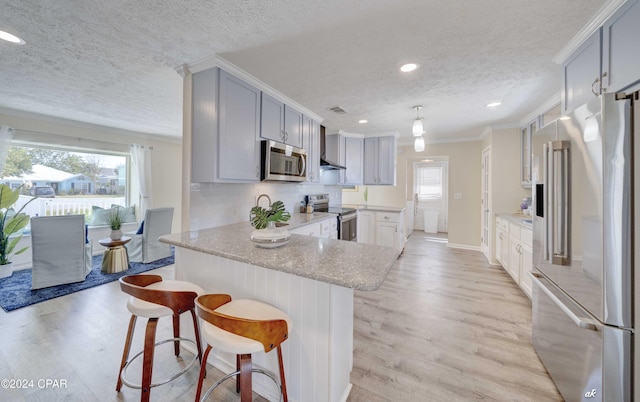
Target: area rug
{"points": [[15, 291]]}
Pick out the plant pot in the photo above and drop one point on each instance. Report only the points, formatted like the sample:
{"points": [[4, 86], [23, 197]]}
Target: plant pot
{"points": [[6, 270], [116, 234]]}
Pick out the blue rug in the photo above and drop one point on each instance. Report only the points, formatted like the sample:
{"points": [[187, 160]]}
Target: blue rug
{"points": [[15, 291]]}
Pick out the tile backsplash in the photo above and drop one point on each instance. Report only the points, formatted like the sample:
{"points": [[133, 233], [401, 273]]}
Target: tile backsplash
{"points": [[216, 204]]}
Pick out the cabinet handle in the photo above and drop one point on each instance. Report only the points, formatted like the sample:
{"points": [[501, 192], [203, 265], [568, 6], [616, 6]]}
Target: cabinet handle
{"points": [[286, 136], [386, 217], [282, 135], [599, 82]]}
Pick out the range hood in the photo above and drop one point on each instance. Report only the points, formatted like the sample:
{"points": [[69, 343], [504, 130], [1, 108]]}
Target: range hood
{"points": [[324, 163]]}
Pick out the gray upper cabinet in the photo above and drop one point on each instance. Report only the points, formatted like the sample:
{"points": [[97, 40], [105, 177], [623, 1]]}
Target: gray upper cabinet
{"points": [[380, 160], [226, 148], [353, 160], [387, 160], [272, 119], [311, 143], [620, 54], [581, 79], [526, 134], [280, 122], [292, 127]]}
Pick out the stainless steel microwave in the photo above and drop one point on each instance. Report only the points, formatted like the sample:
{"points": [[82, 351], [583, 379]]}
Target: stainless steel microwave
{"points": [[282, 162]]}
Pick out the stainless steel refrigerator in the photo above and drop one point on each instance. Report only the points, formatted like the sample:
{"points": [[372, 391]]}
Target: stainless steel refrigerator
{"points": [[583, 248]]}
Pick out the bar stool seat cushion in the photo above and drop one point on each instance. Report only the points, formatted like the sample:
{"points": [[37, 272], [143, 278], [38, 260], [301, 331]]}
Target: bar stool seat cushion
{"points": [[142, 308], [226, 341]]}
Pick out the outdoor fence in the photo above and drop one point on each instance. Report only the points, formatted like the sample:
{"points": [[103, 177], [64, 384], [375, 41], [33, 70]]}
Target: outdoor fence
{"points": [[66, 206]]}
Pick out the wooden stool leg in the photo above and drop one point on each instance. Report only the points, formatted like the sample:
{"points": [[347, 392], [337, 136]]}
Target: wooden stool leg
{"points": [[245, 378], [176, 334], [203, 371], [238, 378], [147, 358], [196, 329], [283, 383], [127, 349]]}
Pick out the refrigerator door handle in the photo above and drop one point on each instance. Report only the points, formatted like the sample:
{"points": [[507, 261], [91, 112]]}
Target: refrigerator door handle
{"points": [[558, 176], [582, 322]]}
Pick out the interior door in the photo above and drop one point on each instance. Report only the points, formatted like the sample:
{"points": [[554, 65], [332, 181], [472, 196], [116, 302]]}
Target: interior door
{"points": [[431, 193], [485, 245]]}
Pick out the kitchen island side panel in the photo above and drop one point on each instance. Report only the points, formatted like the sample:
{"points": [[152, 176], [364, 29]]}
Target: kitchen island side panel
{"points": [[318, 356]]}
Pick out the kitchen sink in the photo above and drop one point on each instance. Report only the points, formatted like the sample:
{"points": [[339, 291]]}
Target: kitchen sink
{"points": [[280, 224]]}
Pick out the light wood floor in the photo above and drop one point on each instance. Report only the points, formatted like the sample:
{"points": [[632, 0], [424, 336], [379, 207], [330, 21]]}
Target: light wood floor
{"points": [[444, 326]]}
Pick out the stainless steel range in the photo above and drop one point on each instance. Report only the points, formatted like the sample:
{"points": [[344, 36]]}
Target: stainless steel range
{"points": [[347, 217]]}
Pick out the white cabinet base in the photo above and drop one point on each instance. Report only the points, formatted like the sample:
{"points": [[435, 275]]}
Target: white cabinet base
{"points": [[318, 356]]}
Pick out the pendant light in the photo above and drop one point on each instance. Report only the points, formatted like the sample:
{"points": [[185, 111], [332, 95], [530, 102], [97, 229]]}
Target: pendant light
{"points": [[417, 123], [418, 145]]}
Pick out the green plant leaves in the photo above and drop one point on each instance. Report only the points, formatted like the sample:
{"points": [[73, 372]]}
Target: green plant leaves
{"points": [[7, 196], [10, 222], [259, 216]]}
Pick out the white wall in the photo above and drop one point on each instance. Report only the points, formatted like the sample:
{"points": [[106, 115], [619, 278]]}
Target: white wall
{"points": [[215, 204], [506, 194], [464, 178]]}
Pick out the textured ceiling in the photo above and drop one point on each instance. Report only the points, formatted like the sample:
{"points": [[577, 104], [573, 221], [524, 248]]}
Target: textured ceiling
{"points": [[113, 62]]}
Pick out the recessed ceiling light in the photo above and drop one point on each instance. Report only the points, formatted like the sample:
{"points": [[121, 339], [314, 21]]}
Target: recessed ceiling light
{"points": [[363, 121], [494, 104], [407, 68], [11, 38]]}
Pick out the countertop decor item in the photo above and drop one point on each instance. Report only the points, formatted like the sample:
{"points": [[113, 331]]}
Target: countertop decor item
{"points": [[11, 223], [276, 213], [271, 236], [267, 235]]}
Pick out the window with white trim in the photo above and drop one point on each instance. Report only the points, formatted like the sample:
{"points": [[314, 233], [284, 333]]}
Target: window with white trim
{"points": [[429, 181]]}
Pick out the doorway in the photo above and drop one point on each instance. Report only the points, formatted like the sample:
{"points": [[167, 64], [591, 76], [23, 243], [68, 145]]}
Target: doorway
{"points": [[430, 189], [485, 237]]}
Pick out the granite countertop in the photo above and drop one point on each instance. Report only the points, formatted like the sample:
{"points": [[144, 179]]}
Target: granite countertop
{"points": [[353, 265], [519, 219], [380, 208]]}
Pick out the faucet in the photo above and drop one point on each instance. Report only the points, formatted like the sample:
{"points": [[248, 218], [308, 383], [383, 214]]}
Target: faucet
{"points": [[260, 196]]}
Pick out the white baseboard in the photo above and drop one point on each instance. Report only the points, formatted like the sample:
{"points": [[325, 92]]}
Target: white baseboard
{"points": [[464, 247]]}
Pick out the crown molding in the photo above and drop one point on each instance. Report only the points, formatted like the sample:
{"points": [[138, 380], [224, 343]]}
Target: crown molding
{"points": [[395, 134], [217, 61], [542, 109], [605, 12]]}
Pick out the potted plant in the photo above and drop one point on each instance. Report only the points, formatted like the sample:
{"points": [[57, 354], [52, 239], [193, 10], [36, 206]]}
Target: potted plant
{"points": [[11, 223], [115, 223], [262, 218]]}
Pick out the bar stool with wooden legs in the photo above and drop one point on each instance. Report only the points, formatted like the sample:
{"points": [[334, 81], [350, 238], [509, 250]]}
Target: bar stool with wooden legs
{"points": [[241, 327], [152, 298]]}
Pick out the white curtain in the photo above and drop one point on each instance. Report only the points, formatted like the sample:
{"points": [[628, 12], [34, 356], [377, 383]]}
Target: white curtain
{"points": [[6, 135], [141, 168]]}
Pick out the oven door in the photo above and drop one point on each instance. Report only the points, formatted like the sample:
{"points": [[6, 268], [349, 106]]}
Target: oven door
{"points": [[349, 227], [282, 162]]}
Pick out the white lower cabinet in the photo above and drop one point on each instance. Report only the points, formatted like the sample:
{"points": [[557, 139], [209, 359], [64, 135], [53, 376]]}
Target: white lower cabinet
{"points": [[313, 229], [381, 228], [327, 228], [513, 268], [526, 262], [502, 241], [366, 227], [514, 252]]}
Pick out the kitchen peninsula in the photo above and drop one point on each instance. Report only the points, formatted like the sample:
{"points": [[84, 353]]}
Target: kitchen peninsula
{"points": [[310, 278]]}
